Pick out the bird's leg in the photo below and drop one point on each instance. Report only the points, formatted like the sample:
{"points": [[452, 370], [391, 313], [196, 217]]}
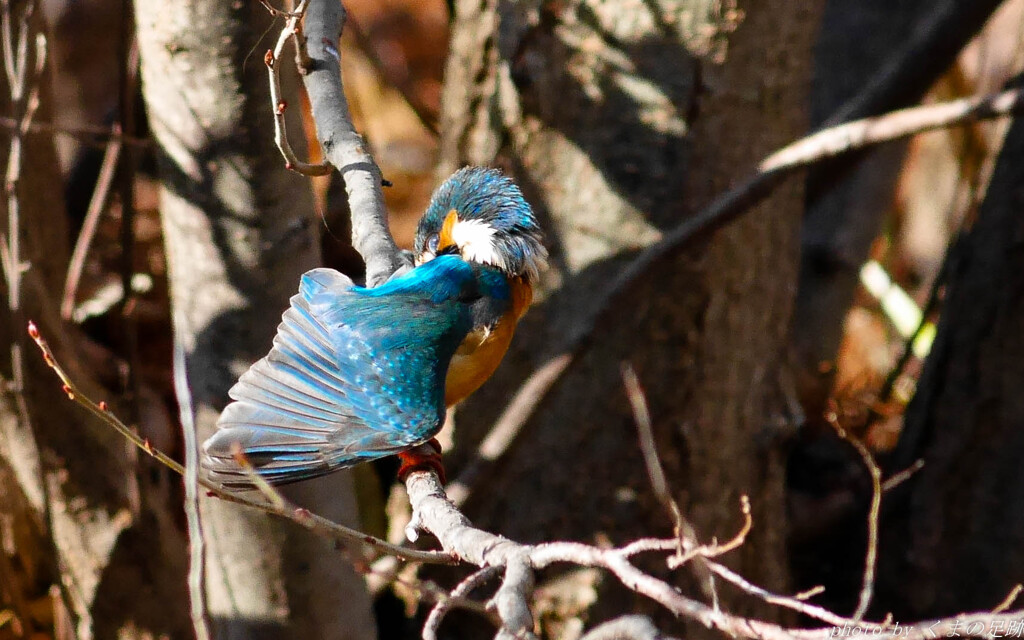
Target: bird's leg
{"points": [[425, 457]]}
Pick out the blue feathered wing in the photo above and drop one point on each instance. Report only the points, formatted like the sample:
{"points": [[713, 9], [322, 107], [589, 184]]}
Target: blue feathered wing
{"points": [[350, 378]]}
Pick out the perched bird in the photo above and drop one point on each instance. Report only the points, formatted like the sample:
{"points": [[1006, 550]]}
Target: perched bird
{"points": [[482, 216], [357, 374], [354, 373]]}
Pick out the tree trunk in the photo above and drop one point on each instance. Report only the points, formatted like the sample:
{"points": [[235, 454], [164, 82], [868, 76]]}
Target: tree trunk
{"points": [[619, 120], [82, 518], [239, 233], [953, 538]]}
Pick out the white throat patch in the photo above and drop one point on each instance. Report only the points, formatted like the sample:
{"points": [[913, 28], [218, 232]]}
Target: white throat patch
{"points": [[475, 240]]}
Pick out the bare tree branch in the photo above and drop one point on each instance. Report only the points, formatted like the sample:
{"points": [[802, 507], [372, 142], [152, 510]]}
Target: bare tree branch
{"points": [[90, 134], [689, 546], [435, 513], [342, 146], [871, 556], [626, 628], [461, 591], [1009, 600], [97, 204], [272, 59], [457, 535]]}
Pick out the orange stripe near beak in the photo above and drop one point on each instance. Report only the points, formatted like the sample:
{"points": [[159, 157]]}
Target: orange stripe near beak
{"points": [[445, 238]]}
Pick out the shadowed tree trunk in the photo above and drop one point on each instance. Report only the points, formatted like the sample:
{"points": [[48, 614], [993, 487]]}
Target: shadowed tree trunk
{"points": [[239, 233], [871, 57], [619, 120], [81, 516], [953, 538]]}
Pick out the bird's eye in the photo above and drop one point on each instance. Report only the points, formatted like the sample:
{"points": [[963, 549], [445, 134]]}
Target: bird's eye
{"points": [[432, 242]]}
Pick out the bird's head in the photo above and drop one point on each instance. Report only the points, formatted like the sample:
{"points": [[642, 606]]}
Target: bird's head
{"points": [[481, 215]]}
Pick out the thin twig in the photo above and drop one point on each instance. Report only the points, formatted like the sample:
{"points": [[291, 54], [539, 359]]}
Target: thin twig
{"points": [[687, 542], [809, 593], [313, 522], [795, 603], [272, 59], [871, 555], [897, 479], [715, 549], [93, 135], [460, 592], [97, 204], [274, 11], [649, 449], [1009, 599], [272, 495]]}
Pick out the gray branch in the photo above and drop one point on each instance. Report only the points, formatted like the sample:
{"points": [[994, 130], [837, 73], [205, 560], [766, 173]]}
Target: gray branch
{"points": [[435, 513], [342, 146], [633, 627]]}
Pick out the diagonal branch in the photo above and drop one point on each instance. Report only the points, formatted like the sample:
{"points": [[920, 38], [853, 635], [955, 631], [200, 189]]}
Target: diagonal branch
{"points": [[768, 176]]}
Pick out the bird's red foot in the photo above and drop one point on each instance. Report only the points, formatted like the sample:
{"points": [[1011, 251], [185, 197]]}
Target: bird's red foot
{"points": [[425, 457]]}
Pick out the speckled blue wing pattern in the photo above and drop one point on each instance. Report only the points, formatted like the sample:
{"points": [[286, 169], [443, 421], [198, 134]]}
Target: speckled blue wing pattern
{"points": [[353, 375]]}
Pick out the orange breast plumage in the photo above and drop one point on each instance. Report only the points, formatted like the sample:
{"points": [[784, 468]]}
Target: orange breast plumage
{"points": [[482, 350]]}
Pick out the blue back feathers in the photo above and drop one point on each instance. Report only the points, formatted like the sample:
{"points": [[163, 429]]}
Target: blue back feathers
{"points": [[444, 279]]}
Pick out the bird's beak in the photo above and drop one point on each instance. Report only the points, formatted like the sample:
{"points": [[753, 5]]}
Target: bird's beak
{"points": [[446, 237]]}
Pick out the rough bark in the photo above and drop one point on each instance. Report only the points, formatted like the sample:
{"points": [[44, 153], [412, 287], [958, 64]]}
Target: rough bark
{"points": [[954, 538], [618, 119], [85, 520], [239, 233]]}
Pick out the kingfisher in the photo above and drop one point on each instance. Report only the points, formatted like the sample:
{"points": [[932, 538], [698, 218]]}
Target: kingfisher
{"points": [[354, 373], [481, 215], [357, 374]]}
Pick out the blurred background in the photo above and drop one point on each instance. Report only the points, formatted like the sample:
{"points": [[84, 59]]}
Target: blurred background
{"points": [[619, 119]]}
